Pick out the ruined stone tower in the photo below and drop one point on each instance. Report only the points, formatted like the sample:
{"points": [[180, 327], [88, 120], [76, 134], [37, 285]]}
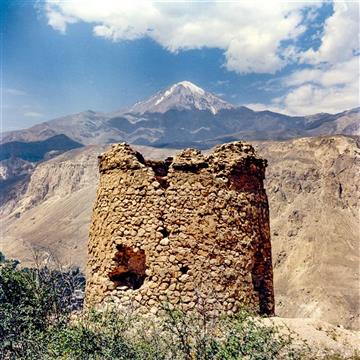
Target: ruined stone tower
{"points": [[190, 230]]}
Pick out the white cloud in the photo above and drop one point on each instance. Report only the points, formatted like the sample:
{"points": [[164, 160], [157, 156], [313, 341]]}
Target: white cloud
{"points": [[221, 83], [268, 107], [56, 18], [33, 114], [340, 39], [340, 74], [14, 92], [331, 82], [309, 99], [250, 35], [329, 89]]}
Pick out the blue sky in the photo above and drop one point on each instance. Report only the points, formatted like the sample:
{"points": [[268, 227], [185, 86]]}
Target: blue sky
{"points": [[65, 57]]}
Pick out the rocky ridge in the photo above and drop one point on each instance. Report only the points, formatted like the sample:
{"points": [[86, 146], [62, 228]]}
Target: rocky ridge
{"points": [[184, 115]]}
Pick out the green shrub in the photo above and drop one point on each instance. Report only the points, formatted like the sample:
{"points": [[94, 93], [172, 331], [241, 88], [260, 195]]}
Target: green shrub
{"points": [[31, 300], [99, 335], [246, 337], [112, 335], [201, 336], [37, 322]]}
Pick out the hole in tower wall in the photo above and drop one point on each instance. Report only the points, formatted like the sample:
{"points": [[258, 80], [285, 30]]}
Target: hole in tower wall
{"points": [[163, 182], [140, 158], [184, 269], [191, 168], [160, 169], [165, 233], [129, 267]]}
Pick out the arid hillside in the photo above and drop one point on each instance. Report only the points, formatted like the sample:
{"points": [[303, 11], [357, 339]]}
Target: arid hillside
{"points": [[50, 214], [313, 196]]}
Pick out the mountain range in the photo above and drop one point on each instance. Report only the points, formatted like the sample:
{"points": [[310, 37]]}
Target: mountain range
{"points": [[185, 115]]}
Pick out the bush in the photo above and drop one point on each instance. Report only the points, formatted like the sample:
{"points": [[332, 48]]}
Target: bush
{"points": [[31, 300], [246, 337], [240, 336], [96, 336], [175, 335], [37, 322]]}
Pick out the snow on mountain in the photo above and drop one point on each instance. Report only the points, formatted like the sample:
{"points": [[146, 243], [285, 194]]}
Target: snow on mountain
{"points": [[196, 118], [181, 96]]}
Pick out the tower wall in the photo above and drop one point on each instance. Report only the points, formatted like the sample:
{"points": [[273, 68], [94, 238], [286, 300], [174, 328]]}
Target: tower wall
{"points": [[193, 230]]}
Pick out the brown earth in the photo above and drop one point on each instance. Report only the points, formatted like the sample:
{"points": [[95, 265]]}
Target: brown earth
{"points": [[321, 339], [313, 194]]}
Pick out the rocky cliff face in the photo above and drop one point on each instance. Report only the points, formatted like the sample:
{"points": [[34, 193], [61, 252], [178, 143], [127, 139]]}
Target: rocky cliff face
{"points": [[189, 230], [50, 212], [59, 195], [14, 167], [314, 207], [313, 198]]}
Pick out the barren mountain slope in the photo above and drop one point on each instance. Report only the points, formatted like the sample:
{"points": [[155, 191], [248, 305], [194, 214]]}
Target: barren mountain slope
{"points": [[53, 214], [313, 195], [346, 123], [54, 210], [88, 127], [183, 115]]}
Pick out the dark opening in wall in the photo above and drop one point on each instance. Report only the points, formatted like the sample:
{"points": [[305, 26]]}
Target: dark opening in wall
{"points": [[340, 190], [163, 182], [129, 267], [140, 157], [184, 269], [191, 168], [160, 169], [165, 233]]}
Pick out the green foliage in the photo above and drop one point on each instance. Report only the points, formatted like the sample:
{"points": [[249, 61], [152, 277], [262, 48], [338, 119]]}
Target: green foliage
{"points": [[37, 321], [100, 335], [83, 341], [247, 337], [31, 300], [242, 336], [111, 335]]}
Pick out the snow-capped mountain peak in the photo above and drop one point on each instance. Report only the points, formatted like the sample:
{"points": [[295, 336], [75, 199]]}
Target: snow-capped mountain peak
{"points": [[181, 96], [190, 86]]}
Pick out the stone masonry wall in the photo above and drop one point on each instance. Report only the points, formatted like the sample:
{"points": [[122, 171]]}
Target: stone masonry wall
{"points": [[191, 231]]}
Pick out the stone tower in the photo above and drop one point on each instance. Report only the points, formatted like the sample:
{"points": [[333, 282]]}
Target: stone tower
{"points": [[189, 230]]}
